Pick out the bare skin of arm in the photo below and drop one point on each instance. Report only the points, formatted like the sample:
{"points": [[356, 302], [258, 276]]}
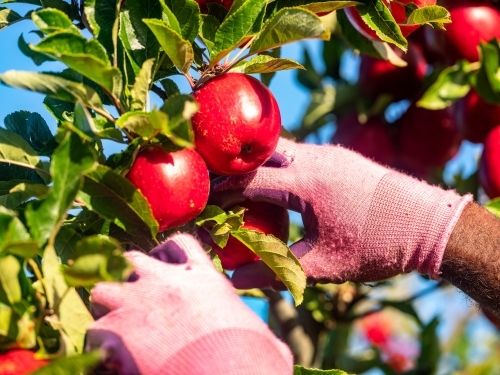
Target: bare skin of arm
{"points": [[471, 260]]}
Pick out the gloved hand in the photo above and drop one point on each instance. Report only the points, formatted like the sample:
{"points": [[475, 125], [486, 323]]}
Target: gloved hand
{"points": [[363, 222], [181, 317]]}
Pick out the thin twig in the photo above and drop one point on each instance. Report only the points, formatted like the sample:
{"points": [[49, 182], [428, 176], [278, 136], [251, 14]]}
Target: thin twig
{"points": [[38, 275], [104, 114]]}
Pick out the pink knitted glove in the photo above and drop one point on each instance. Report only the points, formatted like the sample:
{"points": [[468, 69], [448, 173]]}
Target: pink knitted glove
{"points": [[364, 222], [182, 317]]}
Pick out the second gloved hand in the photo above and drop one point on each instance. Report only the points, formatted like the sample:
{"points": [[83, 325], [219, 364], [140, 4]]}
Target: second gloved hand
{"points": [[364, 222]]}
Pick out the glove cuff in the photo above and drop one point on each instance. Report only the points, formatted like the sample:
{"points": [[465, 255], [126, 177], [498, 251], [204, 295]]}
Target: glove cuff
{"points": [[408, 225]]}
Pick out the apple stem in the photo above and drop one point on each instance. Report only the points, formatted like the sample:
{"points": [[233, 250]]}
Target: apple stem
{"points": [[190, 79], [242, 49]]}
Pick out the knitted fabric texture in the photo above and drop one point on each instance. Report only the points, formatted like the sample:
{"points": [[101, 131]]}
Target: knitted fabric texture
{"points": [[364, 222], [182, 317]]}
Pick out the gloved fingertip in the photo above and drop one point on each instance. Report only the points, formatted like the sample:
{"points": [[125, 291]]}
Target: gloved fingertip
{"points": [[256, 275], [184, 248]]}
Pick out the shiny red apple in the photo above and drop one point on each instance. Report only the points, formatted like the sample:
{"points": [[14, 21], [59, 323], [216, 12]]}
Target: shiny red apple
{"points": [[475, 117], [397, 9], [238, 125], [426, 139], [175, 184], [19, 362], [473, 22], [378, 77], [489, 169], [259, 216], [371, 139]]}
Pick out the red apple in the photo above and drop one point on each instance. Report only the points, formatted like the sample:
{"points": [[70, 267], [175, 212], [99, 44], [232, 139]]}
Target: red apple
{"points": [[475, 117], [378, 77], [426, 139], [19, 362], [371, 139], [203, 4], [175, 184], [259, 216], [473, 22], [238, 125], [419, 38], [489, 169], [398, 12]]}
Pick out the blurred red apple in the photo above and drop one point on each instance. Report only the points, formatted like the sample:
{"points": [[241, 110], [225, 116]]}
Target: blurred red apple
{"points": [[397, 9], [378, 77], [19, 362], [489, 169], [473, 22], [426, 138], [475, 117], [371, 139]]}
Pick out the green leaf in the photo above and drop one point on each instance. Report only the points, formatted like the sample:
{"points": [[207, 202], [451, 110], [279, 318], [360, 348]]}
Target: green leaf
{"points": [[138, 123], [494, 207], [265, 64], [354, 38], [97, 258], [102, 16], [8, 16], [208, 30], [323, 6], [38, 58], [177, 49], [488, 78], [179, 108], [235, 27], [71, 9], [430, 351], [170, 87], [379, 18], [451, 85], [52, 20], [115, 199], [76, 364], [138, 40], [21, 191], [299, 370], [71, 316], [87, 57], [140, 90], [10, 289], [56, 87], [219, 223], [122, 162], [65, 243], [14, 149], [31, 126], [187, 12], [278, 257], [70, 161], [287, 26], [428, 14]]}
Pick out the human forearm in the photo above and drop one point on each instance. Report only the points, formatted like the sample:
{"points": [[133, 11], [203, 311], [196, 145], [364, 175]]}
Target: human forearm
{"points": [[471, 260]]}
